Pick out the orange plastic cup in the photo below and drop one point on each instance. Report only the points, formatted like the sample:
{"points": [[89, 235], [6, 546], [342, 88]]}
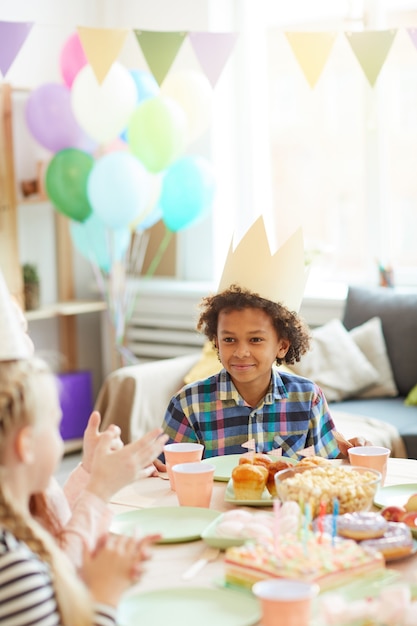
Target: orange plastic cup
{"points": [[194, 483], [285, 602], [375, 457], [176, 453]]}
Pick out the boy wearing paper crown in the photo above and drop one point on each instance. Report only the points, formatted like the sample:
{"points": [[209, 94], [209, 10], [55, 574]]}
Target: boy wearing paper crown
{"points": [[253, 325]]}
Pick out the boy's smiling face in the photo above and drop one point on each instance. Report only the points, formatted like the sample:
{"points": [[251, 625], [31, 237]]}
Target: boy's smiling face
{"points": [[248, 346]]}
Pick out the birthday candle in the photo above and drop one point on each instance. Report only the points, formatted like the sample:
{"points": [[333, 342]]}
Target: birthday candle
{"points": [[277, 519], [300, 525], [334, 519], [307, 522], [320, 521]]}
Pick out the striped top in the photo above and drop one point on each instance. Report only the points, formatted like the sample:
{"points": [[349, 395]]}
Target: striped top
{"points": [[293, 415], [27, 597]]}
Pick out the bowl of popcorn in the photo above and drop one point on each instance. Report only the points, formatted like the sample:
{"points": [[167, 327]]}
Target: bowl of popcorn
{"points": [[354, 487]]}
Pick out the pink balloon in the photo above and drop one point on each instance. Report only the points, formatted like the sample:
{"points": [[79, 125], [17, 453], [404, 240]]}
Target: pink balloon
{"points": [[72, 59]]}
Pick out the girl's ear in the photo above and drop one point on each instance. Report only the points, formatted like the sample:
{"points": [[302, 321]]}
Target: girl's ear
{"points": [[24, 445]]}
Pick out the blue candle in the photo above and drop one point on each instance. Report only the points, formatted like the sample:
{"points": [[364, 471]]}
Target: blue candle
{"points": [[334, 519]]}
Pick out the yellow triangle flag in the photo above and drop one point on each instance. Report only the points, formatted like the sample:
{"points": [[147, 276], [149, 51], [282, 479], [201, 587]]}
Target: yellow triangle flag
{"points": [[102, 46], [371, 49], [311, 51], [160, 50]]}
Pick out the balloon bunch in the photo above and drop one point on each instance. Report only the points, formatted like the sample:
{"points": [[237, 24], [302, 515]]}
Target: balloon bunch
{"points": [[119, 161]]}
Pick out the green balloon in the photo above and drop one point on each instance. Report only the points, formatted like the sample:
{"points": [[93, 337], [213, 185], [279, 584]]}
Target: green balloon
{"points": [[66, 183], [157, 132]]}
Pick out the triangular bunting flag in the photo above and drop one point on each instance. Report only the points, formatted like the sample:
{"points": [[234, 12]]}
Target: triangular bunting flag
{"points": [[276, 452], [250, 444], [371, 49], [160, 49], [12, 37], [102, 46], [307, 451], [311, 51], [212, 51], [413, 35]]}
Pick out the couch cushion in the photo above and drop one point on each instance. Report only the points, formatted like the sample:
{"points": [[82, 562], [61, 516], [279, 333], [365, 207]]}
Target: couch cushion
{"points": [[398, 314], [336, 363], [370, 340]]}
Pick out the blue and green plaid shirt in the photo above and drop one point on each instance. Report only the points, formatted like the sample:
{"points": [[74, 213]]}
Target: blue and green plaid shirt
{"points": [[293, 415]]}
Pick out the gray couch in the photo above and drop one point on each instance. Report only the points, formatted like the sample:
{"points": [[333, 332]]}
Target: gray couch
{"points": [[398, 313]]}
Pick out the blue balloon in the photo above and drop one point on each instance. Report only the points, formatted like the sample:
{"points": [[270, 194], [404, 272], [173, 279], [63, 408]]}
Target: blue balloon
{"points": [[98, 243], [187, 192], [146, 86], [118, 188], [150, 220]]}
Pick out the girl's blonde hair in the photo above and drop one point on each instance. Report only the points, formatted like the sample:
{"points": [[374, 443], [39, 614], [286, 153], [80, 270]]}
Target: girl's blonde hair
{"points": [[19, 402]]}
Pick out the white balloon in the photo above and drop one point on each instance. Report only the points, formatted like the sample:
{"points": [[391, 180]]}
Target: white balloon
{"points": [[193, 92], [103, 110]]}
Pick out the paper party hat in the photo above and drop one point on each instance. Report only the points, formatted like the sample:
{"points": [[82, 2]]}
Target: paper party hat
{"points": [[280, 277], [13, 343]]}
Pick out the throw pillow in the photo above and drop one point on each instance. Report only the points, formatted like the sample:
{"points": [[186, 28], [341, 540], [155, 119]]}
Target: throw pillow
{"points": [[336, 363], [370, 340], [398, 313], [411, 399]]}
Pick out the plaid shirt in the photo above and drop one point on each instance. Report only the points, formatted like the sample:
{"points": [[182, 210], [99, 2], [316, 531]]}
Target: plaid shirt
{"points": [[293, 415]]}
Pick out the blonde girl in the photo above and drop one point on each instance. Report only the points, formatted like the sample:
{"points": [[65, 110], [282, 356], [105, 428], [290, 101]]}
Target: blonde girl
{"points": [[38, 583]]}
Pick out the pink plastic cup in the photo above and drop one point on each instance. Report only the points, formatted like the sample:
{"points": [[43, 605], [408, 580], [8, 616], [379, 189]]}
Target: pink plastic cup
{"points": [[194, 483], [285, 602], [176, 453], [375, 457]]}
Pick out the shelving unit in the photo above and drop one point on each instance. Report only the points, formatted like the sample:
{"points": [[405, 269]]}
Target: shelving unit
{"points": [[67, 308]]}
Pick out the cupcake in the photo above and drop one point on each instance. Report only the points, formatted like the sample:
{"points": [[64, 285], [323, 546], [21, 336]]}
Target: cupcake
{"points": [[249, 481]]}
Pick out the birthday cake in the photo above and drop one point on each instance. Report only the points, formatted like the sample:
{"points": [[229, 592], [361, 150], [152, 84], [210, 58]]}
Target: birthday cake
{"points": [[319, 558]]}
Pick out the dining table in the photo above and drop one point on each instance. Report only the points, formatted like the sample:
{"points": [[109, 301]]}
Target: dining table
{"points": [[169, 561]]}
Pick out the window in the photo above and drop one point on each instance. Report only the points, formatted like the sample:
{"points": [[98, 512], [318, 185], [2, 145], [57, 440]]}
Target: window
{"points": [[341, 155]]}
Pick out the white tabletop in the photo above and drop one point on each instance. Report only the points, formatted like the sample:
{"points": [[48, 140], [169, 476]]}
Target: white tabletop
{"points": [[169, 561]]}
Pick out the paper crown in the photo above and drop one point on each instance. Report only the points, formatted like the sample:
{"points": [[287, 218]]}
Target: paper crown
{"points": [[13, 343], [280, 277]]}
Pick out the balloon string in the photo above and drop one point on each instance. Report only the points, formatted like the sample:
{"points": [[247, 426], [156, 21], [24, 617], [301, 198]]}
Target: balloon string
{"points": [[159, 253]]}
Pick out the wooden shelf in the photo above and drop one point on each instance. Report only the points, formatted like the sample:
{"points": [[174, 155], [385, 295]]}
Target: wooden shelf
{"points": [[66, 308]]}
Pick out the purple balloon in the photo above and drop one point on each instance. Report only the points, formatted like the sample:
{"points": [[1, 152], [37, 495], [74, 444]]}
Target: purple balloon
{"points": [[51, 121]]}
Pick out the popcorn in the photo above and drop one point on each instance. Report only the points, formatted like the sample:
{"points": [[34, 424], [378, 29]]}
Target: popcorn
{"points": [[353, 487]]}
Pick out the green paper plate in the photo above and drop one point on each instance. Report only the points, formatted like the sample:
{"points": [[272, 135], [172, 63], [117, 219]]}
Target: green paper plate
{"points": [[183, 606], [224, 466], [394, 495], [175, 524], [230, 497]]}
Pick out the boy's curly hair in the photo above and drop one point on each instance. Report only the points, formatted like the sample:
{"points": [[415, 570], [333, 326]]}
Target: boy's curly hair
{"points": [[287, 324]]}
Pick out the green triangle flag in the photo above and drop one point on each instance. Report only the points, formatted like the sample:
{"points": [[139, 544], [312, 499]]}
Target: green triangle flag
{"points": [[160, 49], [371, 49]]}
